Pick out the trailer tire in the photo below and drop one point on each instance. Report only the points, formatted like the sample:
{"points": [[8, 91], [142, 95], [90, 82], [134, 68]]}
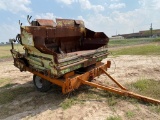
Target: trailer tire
{"points": [[41, 84]]}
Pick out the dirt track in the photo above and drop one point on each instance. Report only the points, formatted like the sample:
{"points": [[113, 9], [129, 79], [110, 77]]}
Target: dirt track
{"points": [[35, 105]]}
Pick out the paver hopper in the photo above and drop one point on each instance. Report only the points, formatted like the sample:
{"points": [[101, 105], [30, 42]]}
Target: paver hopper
{"points": [[65, 53]]}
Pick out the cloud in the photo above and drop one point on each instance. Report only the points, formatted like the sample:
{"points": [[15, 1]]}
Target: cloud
{"points": [[117, 5], [150, 4], [47, 16], [85, 4], [11, 30], [124, 22], [114, 0], [15, 6], [68, 2], [156, 4]]}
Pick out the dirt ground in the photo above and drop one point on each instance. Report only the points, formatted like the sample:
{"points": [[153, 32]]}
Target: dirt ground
{"points": [[40, 106]]}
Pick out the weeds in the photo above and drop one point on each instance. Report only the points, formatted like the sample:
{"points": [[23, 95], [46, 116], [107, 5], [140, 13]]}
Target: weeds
{"points": [[147, 87], [130, 114], [114, 118], [135, 41], [155, 108], [4, 81], [68, 103], [112, 101], [11, 94], [8, 85], [139, 50]]}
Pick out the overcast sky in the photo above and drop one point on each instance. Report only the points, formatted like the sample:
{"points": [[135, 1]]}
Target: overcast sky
{"points": [[109, 16]]}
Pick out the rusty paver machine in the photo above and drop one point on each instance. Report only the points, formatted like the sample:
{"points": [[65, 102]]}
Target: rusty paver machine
{"points": [[65, 53]]}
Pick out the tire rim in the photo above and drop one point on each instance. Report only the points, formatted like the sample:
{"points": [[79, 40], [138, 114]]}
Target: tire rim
{"points": [[38, 82]]}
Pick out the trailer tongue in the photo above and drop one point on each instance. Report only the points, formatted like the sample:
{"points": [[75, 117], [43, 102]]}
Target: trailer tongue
{"points": [[65, 53]]}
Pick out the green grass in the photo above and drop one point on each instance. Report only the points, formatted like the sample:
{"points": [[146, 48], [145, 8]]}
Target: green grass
{"points": [[5, 50], [9, 85], [147, 87], [152, 49], [114, 118], [130, 114], [112, 100], [129, 42], [141, 46], [155, 108], [4, 81], [69, 102], [9, 95]]}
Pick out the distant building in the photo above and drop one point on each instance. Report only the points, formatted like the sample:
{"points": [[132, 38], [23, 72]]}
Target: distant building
{"points": [[140, 34], [7, 43], [2, 43], [116, 37]]}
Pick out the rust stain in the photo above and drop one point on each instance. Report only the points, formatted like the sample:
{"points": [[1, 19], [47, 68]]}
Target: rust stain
{"points": [[64, 36], [45, 22]]}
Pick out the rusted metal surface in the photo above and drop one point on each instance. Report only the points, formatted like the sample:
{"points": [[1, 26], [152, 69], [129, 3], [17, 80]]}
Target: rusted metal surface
{"points": [[69, 23], [122, 87], [67, 35], [70, 44], [94, 40], [45, 22]]}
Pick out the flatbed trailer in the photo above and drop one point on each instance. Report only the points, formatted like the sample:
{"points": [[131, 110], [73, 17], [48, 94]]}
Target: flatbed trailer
{"points": [[71, 81]]}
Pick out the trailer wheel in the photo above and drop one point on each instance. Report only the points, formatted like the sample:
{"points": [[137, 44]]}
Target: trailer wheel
{"points": [[41, 84]]}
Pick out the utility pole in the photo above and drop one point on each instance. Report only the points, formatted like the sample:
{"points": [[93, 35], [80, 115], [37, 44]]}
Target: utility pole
{"points": [[151, 30]]}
